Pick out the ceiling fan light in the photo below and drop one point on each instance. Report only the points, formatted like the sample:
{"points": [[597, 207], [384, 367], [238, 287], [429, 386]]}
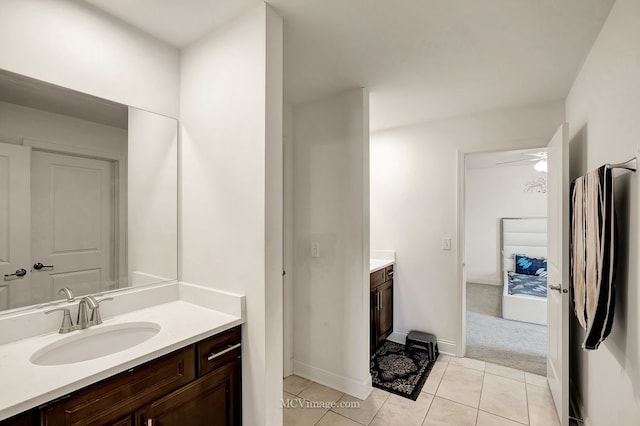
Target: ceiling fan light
{"points": [[541, 166]]}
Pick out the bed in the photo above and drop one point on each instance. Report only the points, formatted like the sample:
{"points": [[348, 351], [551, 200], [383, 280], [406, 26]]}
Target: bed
{"points": [[524, 252]]}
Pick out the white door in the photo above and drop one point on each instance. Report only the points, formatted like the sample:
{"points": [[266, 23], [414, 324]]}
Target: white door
{"points": [[558, 271], [15, 250], [72, 225]]}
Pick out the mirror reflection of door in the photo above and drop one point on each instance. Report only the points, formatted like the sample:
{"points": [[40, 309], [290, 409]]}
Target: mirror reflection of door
{"points": [[15, 222], [71, 224]]}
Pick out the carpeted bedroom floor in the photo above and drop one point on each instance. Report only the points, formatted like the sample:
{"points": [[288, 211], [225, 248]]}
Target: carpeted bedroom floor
{"points": [[509, 343]]}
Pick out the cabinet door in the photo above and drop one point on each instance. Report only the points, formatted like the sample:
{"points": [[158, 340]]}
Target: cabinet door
{"points": [[385, 311], [373, 321], [212, 400]]}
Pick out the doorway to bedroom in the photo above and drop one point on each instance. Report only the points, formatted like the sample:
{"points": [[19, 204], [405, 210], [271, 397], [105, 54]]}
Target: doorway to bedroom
{"points": [[505, 209]]}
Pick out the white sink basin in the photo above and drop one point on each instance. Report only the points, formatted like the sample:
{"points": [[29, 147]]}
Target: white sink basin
{"points": [[94, 343]]}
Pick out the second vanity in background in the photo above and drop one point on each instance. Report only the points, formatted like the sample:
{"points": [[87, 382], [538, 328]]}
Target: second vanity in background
{"points": [[381, 298]]}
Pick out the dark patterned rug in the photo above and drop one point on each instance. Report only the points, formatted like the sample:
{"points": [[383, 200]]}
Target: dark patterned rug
{"points": [[395, 371]]}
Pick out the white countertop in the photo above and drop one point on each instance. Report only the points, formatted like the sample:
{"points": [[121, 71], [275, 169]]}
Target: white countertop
{"points": [[26, 385], [377, 264]]}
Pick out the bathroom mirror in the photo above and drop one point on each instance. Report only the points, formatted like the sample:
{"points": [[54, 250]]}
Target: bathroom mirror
{"points": [[88, 194]]}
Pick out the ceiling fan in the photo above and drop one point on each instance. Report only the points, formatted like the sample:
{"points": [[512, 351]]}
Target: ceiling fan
{"points": [[539, 158]]}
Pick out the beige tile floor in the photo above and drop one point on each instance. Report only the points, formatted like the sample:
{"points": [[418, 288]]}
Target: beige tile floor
{"points": [[458, 392]]}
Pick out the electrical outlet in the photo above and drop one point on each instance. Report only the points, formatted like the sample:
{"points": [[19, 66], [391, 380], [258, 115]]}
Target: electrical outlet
{"points": [[446, 243], [315, 249]]}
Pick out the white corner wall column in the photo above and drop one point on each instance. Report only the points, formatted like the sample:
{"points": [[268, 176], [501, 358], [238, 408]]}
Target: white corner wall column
{"points": [[331, 215], [231, 135]]}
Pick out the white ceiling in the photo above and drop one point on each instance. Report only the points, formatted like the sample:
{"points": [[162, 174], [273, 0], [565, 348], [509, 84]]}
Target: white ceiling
{"points": [[177, 22], [421, 59]]}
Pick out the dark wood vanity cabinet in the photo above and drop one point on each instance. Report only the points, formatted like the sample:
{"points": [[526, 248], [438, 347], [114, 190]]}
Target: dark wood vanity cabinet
{"points": [[197, 385], [211, 400], [29, 418], [381, 306], [214, 398]]}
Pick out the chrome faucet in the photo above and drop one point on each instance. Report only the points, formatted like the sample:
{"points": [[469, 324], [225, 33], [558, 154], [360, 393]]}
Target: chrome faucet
{"points": [[95, 318], [86, 302], [84, 320], [67, 293]]}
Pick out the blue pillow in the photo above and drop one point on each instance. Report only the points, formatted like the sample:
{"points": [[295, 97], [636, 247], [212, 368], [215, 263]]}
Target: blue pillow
{"points": [[531, 265]]}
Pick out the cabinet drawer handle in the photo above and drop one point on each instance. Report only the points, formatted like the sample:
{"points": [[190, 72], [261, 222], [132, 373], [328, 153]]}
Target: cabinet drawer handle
{"points": [[218, 354]]}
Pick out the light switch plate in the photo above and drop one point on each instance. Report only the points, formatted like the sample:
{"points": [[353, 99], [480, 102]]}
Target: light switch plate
{"points": [[446, 243], [315, 249]]}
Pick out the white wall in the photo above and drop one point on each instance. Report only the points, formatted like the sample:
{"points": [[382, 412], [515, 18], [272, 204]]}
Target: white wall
{"points": [[152, 206], [73, 45], [414, 203], [491, 194], [330, 199], [231, 123], [603, 108]]}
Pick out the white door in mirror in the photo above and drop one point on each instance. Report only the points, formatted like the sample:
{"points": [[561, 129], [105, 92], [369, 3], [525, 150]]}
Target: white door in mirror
{"points": [[71, 224], [15, 224]]}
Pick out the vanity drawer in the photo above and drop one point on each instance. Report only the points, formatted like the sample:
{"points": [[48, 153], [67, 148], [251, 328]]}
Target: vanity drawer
{"points": [[378, 277], [218, 350], [389, 273], [112, 399]]}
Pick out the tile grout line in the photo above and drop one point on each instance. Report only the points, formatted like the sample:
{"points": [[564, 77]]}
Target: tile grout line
{"points": [[323, 416], [428, 409], [503, 417], [435, 392], [306, 387], [480, 398], [378, 410], [508, 378], [439, 382], [526, 394]]}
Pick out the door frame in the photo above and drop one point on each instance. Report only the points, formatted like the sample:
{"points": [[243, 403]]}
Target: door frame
{"points": [[287, 254], [461, 238], [119, 160]]}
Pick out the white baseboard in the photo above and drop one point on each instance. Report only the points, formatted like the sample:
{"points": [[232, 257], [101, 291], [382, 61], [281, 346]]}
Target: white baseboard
{"points": [[446, 347], [356, 388]]}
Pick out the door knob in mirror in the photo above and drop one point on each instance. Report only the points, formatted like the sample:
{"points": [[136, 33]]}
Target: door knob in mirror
{"points": [[18, 274], [38, 266]]}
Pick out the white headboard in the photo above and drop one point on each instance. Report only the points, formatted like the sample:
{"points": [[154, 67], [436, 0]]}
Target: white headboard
{"points": [[526, 236]]}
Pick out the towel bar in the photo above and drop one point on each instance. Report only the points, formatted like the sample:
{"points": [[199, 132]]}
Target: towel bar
{"points": [[631, 165]]}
